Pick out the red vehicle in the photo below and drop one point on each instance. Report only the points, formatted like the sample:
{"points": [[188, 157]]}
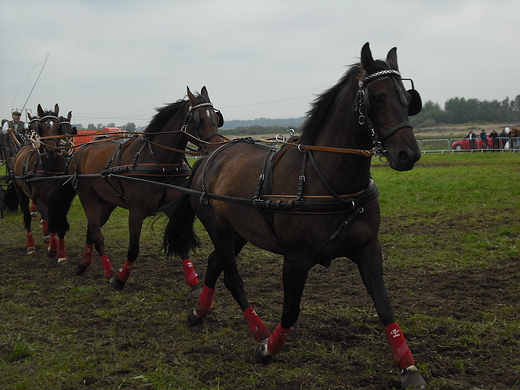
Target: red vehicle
{"points": [[465, 144], [85, 136]]}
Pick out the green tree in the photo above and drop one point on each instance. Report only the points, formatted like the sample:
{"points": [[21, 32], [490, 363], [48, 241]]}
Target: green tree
{"points": [[91, 126], [130, 127]]}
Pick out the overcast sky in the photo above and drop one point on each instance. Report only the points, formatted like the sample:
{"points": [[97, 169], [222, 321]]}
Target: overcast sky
{"points": [[118, 60]]}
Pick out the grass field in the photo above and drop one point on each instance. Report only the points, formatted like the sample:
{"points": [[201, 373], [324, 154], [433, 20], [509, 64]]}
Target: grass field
{"points": [[451, 239]]}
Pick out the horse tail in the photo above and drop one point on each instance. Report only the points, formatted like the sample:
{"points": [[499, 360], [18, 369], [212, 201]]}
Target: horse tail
{"points": [[10, 200], [59, 206], [179, 236]]}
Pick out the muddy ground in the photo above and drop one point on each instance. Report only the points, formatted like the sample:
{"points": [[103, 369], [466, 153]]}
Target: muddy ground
{"points": [[461, 322], [454, 297]]}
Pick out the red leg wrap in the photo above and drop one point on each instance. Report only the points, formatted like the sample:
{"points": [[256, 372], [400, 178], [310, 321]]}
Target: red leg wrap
{"points": [[189, 273], [62, 252], [86, 259], [30, 240], [53, 242], [124, 273], [400, 351], [256, 325], [107, 266], [45, 227], [277, 339], [33, 207], [205, 302]]}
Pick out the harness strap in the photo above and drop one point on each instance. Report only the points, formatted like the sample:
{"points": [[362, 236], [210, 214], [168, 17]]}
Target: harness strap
{"points": [[393, 129]]}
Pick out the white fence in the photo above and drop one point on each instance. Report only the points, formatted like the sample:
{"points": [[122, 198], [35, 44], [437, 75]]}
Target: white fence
{"points": [[456, 145]]}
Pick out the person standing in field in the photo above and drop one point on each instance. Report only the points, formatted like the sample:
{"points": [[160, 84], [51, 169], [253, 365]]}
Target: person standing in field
{"points": [[484, 139]]}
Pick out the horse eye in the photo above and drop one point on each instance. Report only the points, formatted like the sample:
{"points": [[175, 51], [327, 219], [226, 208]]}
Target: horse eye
{"points": [[378, 99]]}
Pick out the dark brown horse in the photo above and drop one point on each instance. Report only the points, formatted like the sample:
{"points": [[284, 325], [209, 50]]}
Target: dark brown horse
{"points": [[311, 201], [36, 172], [108, 173]]}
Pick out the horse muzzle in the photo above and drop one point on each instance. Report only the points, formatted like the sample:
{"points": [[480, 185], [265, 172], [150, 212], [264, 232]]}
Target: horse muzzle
{"points": [[402, 149]]}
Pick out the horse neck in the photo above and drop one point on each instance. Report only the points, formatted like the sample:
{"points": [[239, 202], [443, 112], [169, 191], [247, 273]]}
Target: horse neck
{"points": [[345, 172], [169, 138], [52, 164]]}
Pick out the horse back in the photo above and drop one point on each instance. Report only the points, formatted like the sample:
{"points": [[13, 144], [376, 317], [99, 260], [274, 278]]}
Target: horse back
{"points": [[238, 171]]}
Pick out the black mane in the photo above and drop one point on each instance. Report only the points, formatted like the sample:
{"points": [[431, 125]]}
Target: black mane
{"points": [[322, 107], [163, 115], [324, 103]]}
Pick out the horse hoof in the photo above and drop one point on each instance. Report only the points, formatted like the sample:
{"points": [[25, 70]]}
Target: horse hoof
{"points": [[193, 318], [34, 216], [62, 260], [50, 253], [262, 355], [31, 250], [116, 283], [80, 269], [46, 239], [196, 291], [411, 378]]}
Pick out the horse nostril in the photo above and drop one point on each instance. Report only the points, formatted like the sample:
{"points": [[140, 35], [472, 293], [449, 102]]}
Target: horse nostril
{"points": [[403, 156]]}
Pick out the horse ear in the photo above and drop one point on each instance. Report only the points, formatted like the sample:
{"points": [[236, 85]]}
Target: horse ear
{"points": [[56, 109], [192, 97], [29, 116], [366, 57], [204, 93], [391, 58], [69, 117], [41, 113]]}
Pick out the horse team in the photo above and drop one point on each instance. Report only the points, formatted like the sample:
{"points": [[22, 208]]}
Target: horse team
{"points": [[311, 199]]}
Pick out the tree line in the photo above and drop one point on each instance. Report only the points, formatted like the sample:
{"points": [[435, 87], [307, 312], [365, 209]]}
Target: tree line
{"points": [[130, 126], [460, 110], [456, 111]]}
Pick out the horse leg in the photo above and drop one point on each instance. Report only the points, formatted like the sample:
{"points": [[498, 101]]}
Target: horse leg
{"points": [[24, 206], [45, 231], [97, 213], [56, 245], [86, 258], [190, 276], [34, 212], [370, 264], [135, 223], [295, 272], [233, 282], [205, 301]]}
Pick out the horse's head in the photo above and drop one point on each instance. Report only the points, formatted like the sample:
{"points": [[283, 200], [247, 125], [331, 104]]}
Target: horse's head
{"points": [[384, 105], [67, 129], [33, 122], [49, 127], [202, 119], [66, 126]]}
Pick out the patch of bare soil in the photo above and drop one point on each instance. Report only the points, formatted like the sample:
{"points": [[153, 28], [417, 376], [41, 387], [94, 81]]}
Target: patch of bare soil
{"points": [[465, 294]]}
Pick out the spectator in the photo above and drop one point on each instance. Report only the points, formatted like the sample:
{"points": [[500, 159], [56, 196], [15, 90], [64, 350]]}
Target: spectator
{"points": [[484, 139], [494, 138], [504, 139], [472, 137]]}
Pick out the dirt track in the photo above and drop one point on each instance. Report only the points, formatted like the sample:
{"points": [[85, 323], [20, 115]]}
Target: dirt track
{"points": [[446, 294]]}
